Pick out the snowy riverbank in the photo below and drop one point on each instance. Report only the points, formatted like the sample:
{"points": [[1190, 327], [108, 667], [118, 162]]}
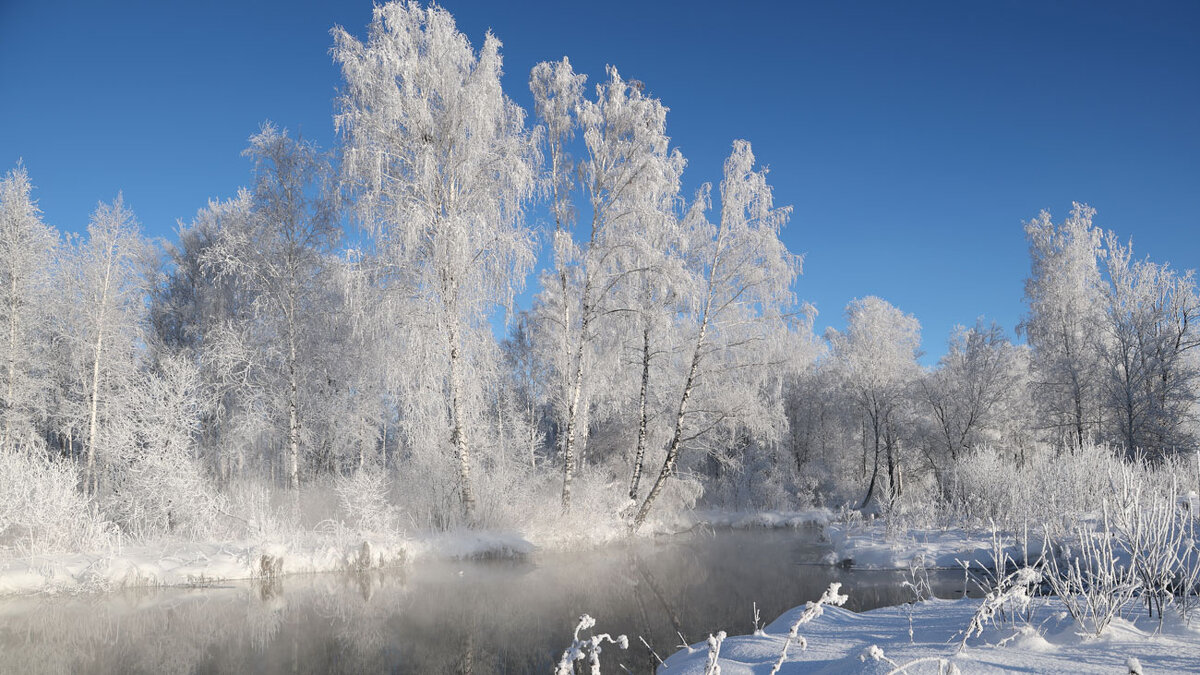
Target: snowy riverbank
{"points": [[872, 546], [179, 563], [839, 642]]}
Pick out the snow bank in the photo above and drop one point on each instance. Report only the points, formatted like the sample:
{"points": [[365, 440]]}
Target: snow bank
{"points": [[763, 519], [191, 564], [839, 640], [870, 546]]}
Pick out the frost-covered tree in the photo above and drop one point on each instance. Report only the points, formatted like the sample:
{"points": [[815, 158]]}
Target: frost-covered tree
{"points": [[740, 295], [1063, 296], [528, 374], [630, 181], [277, 252], [1150, 373], [876, 358], [974, 396], [201, 313], [441, 166], [102, 323], [27, 249]]}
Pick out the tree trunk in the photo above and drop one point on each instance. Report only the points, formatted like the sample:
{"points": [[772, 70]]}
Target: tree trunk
{"points": [[94, 403], [458, 435], [875, 472], [677, 438], [572, 415], [641, 441], [293, 466], [12, 362]]}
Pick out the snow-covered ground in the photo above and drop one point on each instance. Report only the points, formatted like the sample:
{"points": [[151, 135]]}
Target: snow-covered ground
{"points": [[189, 563], [871, 546], [839, 641], [763, 519]]}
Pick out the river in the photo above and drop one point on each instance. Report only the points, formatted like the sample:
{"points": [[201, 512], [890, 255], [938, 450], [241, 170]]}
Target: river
{"points": [[487, 616]]}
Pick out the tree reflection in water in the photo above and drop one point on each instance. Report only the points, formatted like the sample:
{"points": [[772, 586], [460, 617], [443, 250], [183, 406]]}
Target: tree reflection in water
{"points": [[503, 616]]}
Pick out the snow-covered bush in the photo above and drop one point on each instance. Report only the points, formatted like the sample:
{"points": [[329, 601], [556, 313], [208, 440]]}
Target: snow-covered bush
{"points": [[1046, 488], [365, 500], [156, 486], [42, 509], [1092, 580]]}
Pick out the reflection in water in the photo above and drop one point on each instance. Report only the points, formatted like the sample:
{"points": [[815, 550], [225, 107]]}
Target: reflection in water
{"points": [[454, 617]]}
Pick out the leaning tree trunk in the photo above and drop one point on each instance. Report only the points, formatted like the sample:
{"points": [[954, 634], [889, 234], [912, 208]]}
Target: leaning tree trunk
{"points": [[677, 438]]}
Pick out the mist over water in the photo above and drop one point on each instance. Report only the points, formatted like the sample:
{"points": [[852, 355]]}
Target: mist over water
{"points": [[490, 616]]}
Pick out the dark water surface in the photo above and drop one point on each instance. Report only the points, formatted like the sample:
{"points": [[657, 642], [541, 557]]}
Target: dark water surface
{"points": [[453, 617]]}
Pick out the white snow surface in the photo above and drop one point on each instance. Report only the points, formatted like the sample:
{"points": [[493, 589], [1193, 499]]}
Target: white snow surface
{"points": [[870, 546], [838, 641], [171, 563], [762, 519]]}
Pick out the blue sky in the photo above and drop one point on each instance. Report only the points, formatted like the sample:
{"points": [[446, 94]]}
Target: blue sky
{"points": [[912, 138]]}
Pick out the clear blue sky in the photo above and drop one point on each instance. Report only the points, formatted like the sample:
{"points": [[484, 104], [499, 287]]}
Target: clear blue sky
{"points": [[912, 138]]}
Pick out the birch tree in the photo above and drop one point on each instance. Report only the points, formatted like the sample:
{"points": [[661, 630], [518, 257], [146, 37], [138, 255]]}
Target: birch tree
{"points": [[1063, 295], [105, 320], [741, 291], [441, 165], [279, 255], [27, 247], [630, 179]]}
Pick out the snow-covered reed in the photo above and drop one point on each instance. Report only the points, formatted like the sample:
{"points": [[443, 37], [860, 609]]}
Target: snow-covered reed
{"points": [[587, 649]]}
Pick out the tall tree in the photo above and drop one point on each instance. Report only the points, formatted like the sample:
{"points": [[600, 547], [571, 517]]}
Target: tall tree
{"points": [[105, 320], [742, 276], [442, 166], [27, 247], [1063, 294], [630, 180], [877, 359], [278, 252], [1149, 379], [975, 391]]}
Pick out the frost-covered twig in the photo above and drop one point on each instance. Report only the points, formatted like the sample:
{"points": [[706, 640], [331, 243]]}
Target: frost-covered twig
{"points": [[651, 650], [711, 667], [1010, 590], [587, 649], [811, 611], [918, 583], [945, 666]]}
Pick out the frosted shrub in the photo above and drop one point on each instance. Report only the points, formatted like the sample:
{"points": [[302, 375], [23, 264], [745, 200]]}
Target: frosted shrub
{"points": [[363, 498], [249, 510], [991, 485], [155, 485], [164, 494], [42, 510], [1010, 595], [1091, 580]]}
